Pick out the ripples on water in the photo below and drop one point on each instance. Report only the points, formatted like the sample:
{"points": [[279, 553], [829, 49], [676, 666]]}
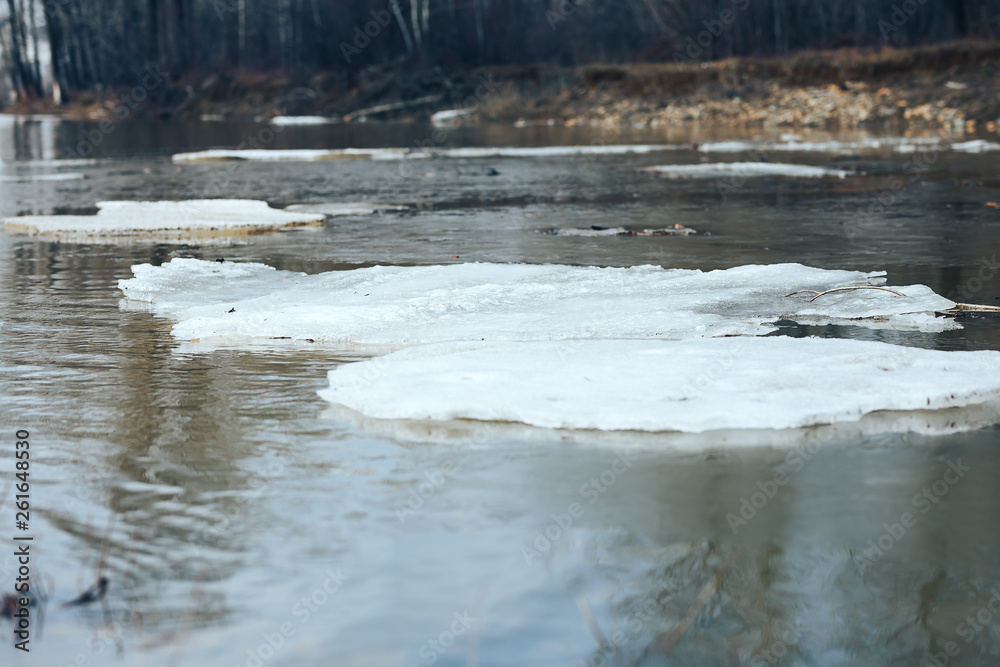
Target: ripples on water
{"points": [[217, 492]]}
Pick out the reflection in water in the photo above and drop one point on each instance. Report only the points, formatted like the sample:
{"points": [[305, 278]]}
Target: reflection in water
{"points": [[237, 521]]}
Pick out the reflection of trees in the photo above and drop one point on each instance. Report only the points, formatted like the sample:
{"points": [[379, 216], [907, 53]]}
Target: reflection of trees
{"points": [[148, 447]]}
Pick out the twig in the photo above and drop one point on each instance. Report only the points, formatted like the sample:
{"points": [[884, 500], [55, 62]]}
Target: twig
{"points": [[665, 643], [591, 621], [971, 308], [843, 289]]}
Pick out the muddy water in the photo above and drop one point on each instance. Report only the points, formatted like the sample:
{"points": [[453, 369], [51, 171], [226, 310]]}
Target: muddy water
{"points": [[240, 522]]}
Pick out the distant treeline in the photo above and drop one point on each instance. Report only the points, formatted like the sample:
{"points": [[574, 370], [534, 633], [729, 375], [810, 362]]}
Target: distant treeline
{"points": [[110, 42]]}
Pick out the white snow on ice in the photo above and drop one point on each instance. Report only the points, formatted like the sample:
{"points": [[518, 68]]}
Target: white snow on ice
{"points": [[748, 169], [144, 218], [691, 386], [310, 155], [393, 307]]}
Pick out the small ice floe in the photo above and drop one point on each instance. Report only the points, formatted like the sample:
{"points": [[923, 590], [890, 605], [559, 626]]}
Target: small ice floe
{"points": [[296, 155], [40, 178], [310, 155], [901, 144], [388, 307], [449, 116], [976, 146], [301, 120], [691, 386], [745, 169], [334, 209], [597, 230], [160, 220]]}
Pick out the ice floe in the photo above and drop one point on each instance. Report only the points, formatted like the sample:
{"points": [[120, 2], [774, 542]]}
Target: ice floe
{"points": [[39, 178], [301, 120], [597, 230], [449, 116], [900, 144], [334, 209], [311, 155], [691, 386], [164, 219], [976, 146], [393, 307], [746, 169]]}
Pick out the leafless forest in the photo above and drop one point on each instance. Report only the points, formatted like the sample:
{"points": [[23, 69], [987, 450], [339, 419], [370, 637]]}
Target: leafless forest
{"points": [[100, 43]]}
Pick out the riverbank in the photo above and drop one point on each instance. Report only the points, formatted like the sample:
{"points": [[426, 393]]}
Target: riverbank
{"points": [[953, 86]]}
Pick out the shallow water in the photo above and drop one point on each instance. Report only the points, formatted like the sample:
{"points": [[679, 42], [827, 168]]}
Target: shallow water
{"points": [[219, 493]]}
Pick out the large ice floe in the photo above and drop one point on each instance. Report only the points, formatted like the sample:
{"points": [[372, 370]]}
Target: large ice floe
{"points": [[691, 386], [393, 307], [164, 220], [311, 155], [593, 349], [745, 169]]}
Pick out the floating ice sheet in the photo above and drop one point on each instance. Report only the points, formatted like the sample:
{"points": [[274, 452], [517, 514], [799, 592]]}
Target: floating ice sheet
{"points": [[301, 120], [185, 219], [976, 146], [399, 306], [596, 230], [334, 209], [900, 144], [691, 386], [36, 178], [449, 116], [310, 155], [746, 169]]}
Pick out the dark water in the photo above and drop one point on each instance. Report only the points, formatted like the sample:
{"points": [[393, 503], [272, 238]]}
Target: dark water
{"points": [[239, 522]]}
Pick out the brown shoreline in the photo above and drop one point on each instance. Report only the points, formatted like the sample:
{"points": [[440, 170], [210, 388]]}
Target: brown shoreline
{"points": [[953, 86]]}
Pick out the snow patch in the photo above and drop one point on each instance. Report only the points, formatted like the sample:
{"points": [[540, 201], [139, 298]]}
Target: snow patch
{"points": [[394, 307], [749, 169], [198, 217], [691, 386]]}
